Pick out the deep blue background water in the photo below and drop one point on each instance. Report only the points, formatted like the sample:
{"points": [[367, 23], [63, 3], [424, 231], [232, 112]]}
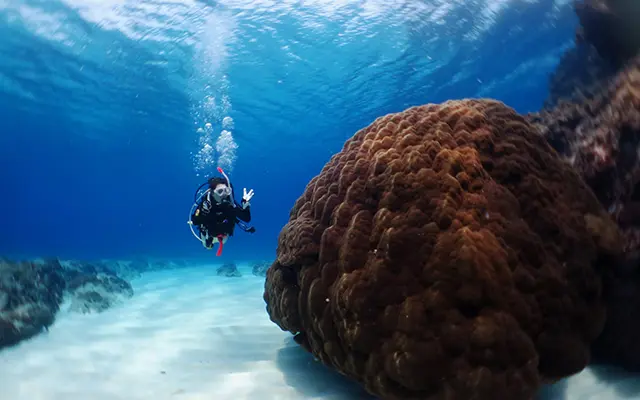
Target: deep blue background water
{"points": [[100, 102]]}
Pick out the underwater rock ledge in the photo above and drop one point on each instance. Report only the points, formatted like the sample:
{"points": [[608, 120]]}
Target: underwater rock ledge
{"points": [[592, 118], [30, 297], [32, 292], [259, 268], [435, 257], [229, 269]]}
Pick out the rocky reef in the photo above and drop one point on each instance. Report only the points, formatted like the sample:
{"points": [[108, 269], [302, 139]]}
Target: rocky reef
{"points": [[260, 268], [30, 297], [611, 27], [229, 270], [460, 250], [33, 292], [96, 293], [134, 268], [446, 252], [592, 119]]}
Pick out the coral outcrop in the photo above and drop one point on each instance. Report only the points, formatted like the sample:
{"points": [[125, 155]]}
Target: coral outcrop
{"points": [[619, 343], [229, 270], [260, 268], [445, 252], [579, 74], [600, 138], [97, 292], [592, 119], [30, 297], [606, 40], [32, 293], [611, 26], [92, 286], [133, 269]]}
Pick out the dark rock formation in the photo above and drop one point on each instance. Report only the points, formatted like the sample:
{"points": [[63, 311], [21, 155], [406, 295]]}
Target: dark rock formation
{"points": [[260, 268], [607, 39], [446, 252], [228, 270], [619, 343], [93, 286], [611, 26], [32, 292], [134, 268], [73, 269], [579, 74], [600, 137], [96, 293], [129, 270], [30, 297], [596, 129]]}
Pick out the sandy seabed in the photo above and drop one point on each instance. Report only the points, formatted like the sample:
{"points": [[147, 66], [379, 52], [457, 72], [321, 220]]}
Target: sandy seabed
{"points": [[189, 334]]}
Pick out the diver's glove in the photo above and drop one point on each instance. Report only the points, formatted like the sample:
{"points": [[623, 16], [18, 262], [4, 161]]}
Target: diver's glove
{"points": [[246, 196]]}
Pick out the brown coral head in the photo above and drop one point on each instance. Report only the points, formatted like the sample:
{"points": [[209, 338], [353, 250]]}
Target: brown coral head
{"points": [[443, 253]]}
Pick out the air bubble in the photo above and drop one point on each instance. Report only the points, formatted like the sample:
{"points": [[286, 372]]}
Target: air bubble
{"points": [[227, 123]]}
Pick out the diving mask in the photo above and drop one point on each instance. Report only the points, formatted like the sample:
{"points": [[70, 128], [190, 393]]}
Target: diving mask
{"points": [[222, 191]]}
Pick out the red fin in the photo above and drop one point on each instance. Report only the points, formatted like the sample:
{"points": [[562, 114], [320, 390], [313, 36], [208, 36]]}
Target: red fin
{"points": [[219, 252]]}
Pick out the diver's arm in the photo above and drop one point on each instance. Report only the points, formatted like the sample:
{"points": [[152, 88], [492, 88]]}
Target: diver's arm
{"points": [[244, 212], [197, 218]]}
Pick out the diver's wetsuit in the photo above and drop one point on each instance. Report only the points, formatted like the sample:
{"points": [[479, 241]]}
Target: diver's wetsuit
{"points": [[219, 218]]}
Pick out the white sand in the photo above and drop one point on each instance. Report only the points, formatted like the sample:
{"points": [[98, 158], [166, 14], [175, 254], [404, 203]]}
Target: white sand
{"points": [[189, 334]]}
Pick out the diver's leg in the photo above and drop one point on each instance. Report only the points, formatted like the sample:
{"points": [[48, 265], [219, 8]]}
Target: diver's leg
{"points": [[207, 241], [224, 239]]}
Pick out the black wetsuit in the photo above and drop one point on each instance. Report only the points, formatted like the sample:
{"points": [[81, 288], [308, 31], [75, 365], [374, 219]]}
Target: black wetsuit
{"points": [[220, 218]]}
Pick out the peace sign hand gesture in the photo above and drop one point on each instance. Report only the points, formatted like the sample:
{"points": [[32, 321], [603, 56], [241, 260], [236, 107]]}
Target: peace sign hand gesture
{"points": [[246, 197]]}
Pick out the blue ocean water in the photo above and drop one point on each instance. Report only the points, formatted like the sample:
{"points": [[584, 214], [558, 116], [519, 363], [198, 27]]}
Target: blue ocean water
{"points": [[113, 112], [105, 103]]}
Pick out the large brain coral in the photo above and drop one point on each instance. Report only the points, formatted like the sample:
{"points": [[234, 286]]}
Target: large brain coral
{"points": [[445, 253]]}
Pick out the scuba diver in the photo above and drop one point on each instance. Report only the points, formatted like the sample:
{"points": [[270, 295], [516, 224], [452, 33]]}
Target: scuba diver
{"points": [[217, 212]]}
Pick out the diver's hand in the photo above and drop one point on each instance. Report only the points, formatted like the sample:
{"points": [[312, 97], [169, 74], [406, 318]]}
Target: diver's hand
{"points": [[246, 197]]}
